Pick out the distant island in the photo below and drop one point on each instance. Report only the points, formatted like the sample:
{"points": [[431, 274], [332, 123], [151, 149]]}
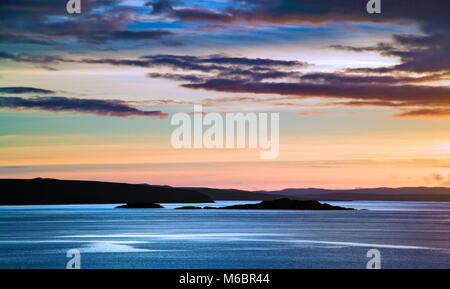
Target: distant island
{"points": [[140, 206], [43, 191], [424, 194], [278, 204]]}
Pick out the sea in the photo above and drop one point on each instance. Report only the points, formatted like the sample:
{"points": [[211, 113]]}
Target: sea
{"points": [[405, 234]]}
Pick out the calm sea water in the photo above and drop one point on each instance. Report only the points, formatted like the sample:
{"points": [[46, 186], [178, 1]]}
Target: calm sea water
{"points": [[407, 234]]}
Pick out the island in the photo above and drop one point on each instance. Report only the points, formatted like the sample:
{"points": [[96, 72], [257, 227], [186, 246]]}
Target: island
{"points": [[278, 204], [140, 206], [190, 208]]}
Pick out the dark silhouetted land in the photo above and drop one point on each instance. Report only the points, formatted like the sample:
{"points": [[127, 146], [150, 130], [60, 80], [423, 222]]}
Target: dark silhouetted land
{"points": [[140, 206], [234, 195], [278, 204], [41, 191], [51, 192], [430, 194]]}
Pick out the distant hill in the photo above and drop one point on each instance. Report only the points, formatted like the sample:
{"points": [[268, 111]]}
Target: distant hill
{"points": [[51, 191], [235, 195], [436, 194]]}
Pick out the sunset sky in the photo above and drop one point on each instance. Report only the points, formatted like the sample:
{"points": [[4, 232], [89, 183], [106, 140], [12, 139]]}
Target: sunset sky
{"points": [[364, 99]]}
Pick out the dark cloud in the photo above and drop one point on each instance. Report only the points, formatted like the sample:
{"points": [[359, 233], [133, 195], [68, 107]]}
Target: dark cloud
{"points": [[222, 59], [212, 63], [160, 6], [6, 38], [23, 89], [358, 78], [179, 62], [426, 112], [419, 41], [209, 67], [379, 48], [47, 21], [171, 61], [189, 14], [39, 59], [359, 103], [430, 14], [406, 94], [177, 77], [416, 53], [219, 62], [77, 105], [203, 15], [270, 76], [230, 73], [139, 35], [257, 73], [99, 29]]}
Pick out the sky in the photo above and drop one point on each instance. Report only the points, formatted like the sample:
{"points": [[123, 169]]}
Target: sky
{"points": [[364, 99]]}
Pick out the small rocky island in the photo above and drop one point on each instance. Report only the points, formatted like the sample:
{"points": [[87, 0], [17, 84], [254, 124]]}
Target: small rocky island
{"points": [[140, 206], [279, 204]]}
